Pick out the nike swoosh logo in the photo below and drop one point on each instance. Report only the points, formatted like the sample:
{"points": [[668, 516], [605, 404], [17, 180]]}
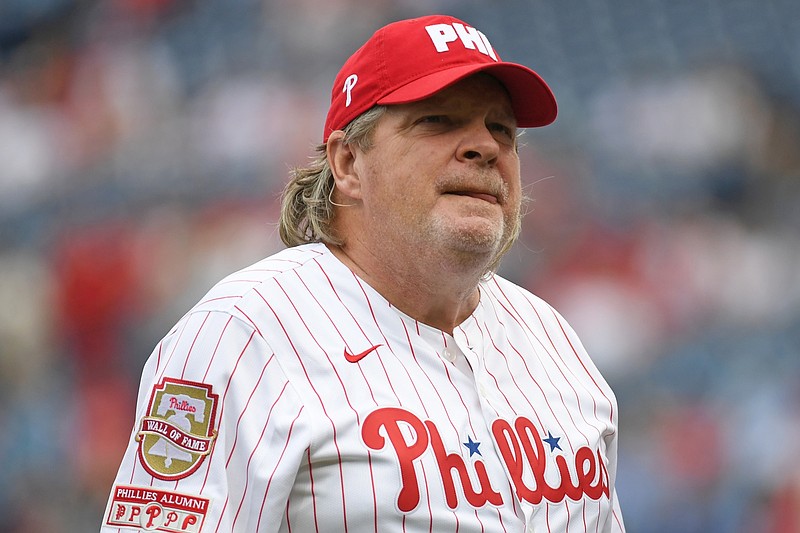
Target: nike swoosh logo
{"points": [[356, 357]]}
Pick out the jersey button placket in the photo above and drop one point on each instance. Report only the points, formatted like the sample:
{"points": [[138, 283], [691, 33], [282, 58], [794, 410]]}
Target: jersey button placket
{"points": [[483, 391], [449, 354]]}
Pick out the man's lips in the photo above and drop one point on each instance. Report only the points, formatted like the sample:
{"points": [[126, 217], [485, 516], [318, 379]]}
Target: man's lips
{"points": [[486, 197]]}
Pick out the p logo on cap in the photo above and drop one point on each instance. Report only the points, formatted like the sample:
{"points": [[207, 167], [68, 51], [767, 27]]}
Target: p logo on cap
{"points": [[349, 84], [412, 59]]}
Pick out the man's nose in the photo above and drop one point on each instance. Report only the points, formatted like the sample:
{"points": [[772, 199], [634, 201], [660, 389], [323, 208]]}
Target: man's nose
{"points": [[478, 145]]}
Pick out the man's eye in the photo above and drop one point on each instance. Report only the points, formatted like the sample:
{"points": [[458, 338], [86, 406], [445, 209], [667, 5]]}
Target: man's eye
{"points": [[502, 129], [433, 119]]}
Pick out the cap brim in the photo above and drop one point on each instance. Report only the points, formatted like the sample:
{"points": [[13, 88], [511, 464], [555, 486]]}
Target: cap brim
{"points": [[531, 99]]}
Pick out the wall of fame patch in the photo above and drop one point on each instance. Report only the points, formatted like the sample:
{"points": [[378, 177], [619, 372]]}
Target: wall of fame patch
{"points": [[179, 429], [148, 509]]}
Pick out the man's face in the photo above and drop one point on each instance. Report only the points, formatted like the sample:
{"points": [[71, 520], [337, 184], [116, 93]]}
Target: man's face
{"points": [[443, 173]]}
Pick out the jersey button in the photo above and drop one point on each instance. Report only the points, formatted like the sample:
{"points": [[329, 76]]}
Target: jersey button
{"points": [[483, 391], [449, 354]]}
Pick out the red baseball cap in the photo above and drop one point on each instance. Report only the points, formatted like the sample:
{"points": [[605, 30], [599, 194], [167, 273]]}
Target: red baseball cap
{"points": [[412, 59]]}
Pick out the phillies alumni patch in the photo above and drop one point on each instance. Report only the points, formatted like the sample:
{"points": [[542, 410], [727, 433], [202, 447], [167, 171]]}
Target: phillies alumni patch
{"points": [[178, 431], [156, 510]]}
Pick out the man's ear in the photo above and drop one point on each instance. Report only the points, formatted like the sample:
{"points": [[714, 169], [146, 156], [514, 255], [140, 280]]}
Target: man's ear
{"points": [[342, 160]]}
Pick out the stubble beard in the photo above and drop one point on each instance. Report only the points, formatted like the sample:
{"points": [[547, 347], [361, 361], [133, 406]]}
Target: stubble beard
{"points": [[473, 244], [467, 243]]}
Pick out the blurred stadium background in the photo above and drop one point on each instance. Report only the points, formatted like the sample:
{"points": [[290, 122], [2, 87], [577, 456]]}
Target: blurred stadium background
{"points": [[143, 145]]}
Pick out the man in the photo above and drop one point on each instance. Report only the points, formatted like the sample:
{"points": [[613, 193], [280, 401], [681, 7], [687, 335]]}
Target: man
{"points": [[376, 375]]}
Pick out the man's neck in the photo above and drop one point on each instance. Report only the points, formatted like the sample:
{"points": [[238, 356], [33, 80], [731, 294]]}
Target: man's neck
{"points": [[429, 289]]}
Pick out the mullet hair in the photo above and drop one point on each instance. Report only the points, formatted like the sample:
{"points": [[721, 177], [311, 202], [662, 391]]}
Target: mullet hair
{"points": [[307, 210]]}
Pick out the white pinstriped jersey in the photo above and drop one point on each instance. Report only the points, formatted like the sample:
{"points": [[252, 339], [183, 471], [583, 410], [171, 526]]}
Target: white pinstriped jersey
{"points": [[294, 397]]}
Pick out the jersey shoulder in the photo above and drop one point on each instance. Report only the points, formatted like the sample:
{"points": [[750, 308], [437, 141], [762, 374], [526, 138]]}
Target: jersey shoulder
{"points": [[232, 289], [499, 288], [524, 307]]}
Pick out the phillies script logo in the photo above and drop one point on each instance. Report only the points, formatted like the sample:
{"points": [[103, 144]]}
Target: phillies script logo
{"points": [[178, 431], [520, 446]]}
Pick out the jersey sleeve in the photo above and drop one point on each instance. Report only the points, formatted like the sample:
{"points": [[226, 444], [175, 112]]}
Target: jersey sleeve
{"points": [[218, 437]]}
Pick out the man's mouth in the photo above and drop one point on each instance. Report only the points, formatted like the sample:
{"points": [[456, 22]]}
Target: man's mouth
{"points": [[486, 197]]}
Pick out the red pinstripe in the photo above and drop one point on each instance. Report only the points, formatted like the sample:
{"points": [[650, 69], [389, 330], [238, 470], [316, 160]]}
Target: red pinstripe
{"points": [[344, 389], [391, 350], [358, 325], [227, 387], [565, 503], [158, 359], [319, 396], [414, 356], [565, 365], [564, 333], [617, 519], [169, 357], [428, 499], [191, 348], [556, 352], [266, 424], [546, 372], [249, 319], [235, 367], [278, 462], [216, 347], [460, 396], [452, 424], [244, 410], [472, 430], [338, 377], [566, 380], [218, 299], [580, 360], [247, 471], [543, 394], [313, 489]]}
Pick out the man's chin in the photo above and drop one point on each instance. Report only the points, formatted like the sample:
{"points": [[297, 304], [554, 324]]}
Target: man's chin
{"points": [[481, 245], [475, 239]]}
